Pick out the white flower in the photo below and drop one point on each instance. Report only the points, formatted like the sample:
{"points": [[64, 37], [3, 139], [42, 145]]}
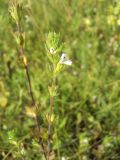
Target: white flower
{"points": [[52, 50], [64, 60]]}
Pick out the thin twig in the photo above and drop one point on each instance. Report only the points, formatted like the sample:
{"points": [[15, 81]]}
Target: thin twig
{"points": [[49, 126], [21, 49], [50, 113]]}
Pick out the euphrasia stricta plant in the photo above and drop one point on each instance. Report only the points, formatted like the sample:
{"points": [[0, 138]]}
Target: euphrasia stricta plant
{"points": [[58, 60], [15, 10]]}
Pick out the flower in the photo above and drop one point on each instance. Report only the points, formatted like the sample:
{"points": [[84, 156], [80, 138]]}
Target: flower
{"points": [[64, 60], [52, 50]]}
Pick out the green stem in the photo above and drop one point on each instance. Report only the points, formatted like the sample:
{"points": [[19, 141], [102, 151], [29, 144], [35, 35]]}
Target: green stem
{"points": [[50, 114], [50, 126]]}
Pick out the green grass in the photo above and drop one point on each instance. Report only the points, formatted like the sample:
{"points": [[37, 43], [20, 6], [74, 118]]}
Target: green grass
{"points": [[87, 107]]}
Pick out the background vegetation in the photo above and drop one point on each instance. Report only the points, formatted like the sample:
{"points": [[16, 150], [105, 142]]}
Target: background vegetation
{"points": [[87, 108]]}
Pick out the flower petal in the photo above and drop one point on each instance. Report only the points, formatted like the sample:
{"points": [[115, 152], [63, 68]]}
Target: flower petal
{"points": [[68, 62], [64, 60]]}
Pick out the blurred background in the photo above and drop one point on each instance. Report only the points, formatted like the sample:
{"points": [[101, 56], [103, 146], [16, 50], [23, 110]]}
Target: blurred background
{"points": [[87, 108]]}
